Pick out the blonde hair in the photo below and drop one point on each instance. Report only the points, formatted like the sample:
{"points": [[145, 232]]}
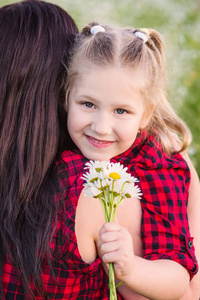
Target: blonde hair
{"points": [[124, 48]]}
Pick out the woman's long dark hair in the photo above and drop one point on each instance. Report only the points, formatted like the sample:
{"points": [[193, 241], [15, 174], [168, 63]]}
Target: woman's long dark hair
{"points": [[34, 36]]}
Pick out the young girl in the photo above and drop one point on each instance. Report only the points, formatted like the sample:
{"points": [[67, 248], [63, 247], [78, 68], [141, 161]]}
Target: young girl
{"points": [[117, 109]]}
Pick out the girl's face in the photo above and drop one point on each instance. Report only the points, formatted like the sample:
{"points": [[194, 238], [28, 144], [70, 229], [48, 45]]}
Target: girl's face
{"points": [[105, 112]]}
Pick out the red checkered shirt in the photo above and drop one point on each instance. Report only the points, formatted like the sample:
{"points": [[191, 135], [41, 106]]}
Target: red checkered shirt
{"points": [[164, 182]]}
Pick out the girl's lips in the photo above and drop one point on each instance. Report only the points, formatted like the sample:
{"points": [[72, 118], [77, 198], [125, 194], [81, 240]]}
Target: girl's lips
{"points": [[98, 143]]}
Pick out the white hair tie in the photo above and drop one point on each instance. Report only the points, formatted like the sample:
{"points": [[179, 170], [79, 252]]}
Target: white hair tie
{"points": [[142, 36], [95, 29]]}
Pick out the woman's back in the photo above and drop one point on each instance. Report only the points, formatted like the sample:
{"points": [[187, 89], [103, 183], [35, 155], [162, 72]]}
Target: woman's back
{"points": [[35, 38]]}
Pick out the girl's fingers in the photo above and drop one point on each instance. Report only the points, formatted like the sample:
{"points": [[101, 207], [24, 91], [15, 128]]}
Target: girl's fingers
{"points": [[110, 227], [109, 247], [108, 237], [109, 257]]}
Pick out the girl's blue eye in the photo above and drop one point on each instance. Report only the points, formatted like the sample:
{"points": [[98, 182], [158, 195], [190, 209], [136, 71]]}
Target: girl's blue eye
{"points": [[88, 104], [120, 111]]}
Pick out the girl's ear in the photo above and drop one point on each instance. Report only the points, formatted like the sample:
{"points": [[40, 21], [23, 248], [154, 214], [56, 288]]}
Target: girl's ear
{"points": [[147, 117]]}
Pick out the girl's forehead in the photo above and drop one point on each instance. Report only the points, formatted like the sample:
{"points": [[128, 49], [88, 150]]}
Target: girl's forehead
{"points": [[112, 84], [134, 76]]}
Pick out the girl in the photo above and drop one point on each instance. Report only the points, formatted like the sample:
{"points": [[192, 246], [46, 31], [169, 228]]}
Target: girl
{"points": [[117, 109]]}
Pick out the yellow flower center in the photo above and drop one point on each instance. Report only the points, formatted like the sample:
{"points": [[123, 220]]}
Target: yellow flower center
{"points": [[114, 176]]}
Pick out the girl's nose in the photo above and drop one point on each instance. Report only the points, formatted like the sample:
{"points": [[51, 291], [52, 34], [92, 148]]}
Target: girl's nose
{"points": [[102, 124]]}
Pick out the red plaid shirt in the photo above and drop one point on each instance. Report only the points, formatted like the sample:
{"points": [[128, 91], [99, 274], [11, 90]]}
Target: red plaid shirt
{"points": [[164, 182]]}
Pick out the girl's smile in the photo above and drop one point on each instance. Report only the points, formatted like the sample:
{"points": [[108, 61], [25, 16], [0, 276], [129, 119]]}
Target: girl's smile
{"points": [[98, 143]]}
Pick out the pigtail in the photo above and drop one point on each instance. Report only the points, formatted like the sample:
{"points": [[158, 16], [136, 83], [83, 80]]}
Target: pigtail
{"points": [[165, 123], [155, 42], [86, 31]]}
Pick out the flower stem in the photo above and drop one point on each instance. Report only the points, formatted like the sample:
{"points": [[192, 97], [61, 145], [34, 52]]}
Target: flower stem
{"points": [[103, 205], [112, 287], [106, 206]]}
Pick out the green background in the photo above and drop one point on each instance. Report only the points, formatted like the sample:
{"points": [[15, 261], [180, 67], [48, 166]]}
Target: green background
{"points": [[179, 23]]}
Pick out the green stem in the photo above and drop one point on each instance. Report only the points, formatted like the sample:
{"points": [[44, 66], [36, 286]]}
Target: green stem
{"points": [[111, 202], [112, 287], [109, 209], [120, 199], [106, 206], [112, 208], [103, 205], [113, 214]]}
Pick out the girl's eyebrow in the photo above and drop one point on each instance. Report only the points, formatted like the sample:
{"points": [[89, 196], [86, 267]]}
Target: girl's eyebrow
{"points": [[87, 97], [125, 106]]}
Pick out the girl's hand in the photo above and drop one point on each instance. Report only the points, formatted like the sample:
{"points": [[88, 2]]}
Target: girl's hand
{"points": [[115, 245]]}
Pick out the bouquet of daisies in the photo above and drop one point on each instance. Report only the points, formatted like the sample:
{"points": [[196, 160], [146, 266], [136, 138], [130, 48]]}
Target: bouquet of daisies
{"points": [[111, 184]]}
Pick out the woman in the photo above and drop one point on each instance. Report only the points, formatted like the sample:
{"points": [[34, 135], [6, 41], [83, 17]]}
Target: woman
{"points": [[34, 38]]}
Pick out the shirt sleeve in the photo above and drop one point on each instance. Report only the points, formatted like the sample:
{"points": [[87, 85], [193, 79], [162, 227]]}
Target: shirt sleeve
{"points": [[165, 230]]}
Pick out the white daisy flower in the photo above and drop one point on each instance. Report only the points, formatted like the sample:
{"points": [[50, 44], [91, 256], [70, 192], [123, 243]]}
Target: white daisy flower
{"points": [[91, 176], [133, 179], [102, 183], [131, 190], [117, 172], [110, 180], [116, 187], [92, 192], [99, 166]]}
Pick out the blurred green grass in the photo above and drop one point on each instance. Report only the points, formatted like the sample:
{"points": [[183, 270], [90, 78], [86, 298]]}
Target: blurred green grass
{"points": [[178, 22]]}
